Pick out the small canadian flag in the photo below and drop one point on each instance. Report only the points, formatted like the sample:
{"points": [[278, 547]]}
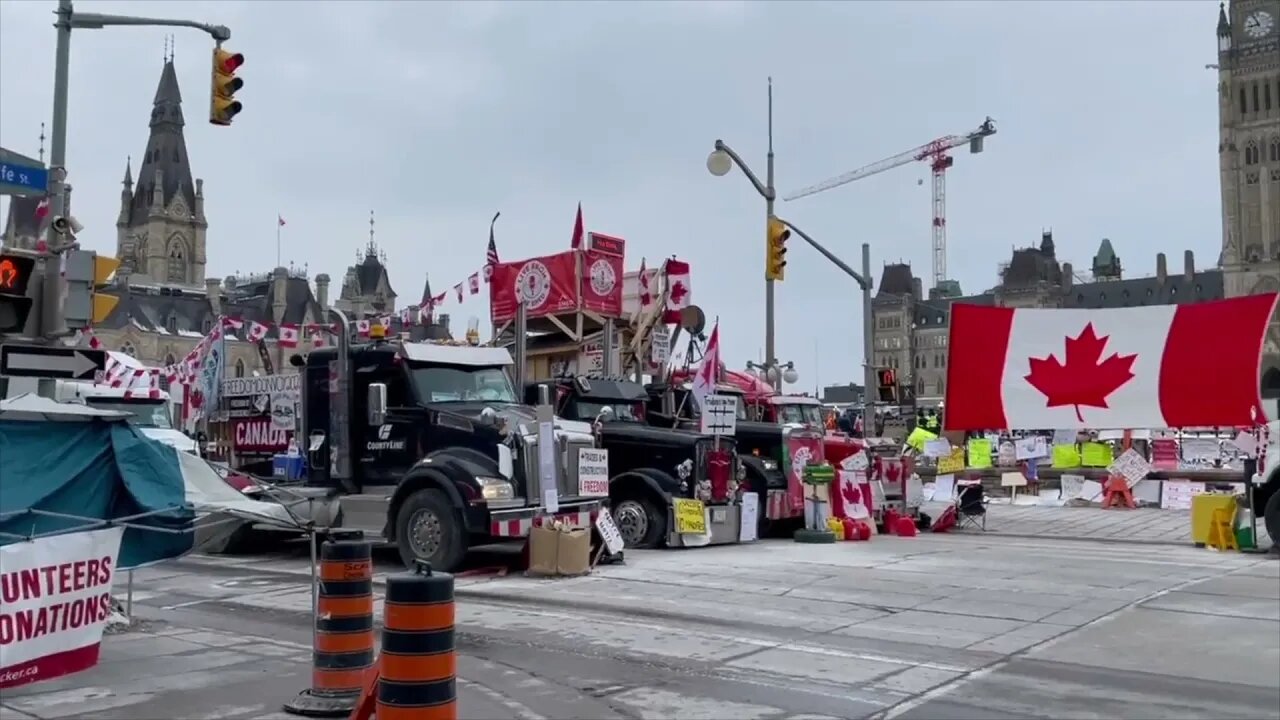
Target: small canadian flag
{"points": [[256, 332], [289, 335], [362, 328], [646, 293], [458, 289]]}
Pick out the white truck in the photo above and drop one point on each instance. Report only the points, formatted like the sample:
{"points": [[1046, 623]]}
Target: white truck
{"points": [[151, 413]]}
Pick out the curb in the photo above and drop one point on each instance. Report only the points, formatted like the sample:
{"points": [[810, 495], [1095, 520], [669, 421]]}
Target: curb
{"points": [[1076, 538]]}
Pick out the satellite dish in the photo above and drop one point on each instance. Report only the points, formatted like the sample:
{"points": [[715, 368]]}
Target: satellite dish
{"points": [[693, 319]]}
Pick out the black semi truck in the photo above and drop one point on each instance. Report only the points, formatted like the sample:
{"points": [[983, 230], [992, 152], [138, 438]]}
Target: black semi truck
{"points": [[649, 466], [426, 445]]}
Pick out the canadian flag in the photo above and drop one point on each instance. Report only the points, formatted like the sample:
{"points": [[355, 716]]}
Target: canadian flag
{"points": [[288, 336], [256, 332], [1156, 366], [677, 289], [646, 292], [362, 328], [704, 380], [474, 283]]}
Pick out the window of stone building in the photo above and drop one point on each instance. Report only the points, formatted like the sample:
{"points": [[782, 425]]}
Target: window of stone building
{"points": [[177, 265], [1173, 291], [128, 349], [1274, 153], [207, 326], [1266, 96], [1256, 105], [1244, 102], [239, 367], [1251, 154], [920, 386], [171, 324]]}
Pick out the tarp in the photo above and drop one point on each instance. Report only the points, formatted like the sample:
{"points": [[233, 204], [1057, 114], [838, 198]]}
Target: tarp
{"points": [[93, 470], [210, 494]]}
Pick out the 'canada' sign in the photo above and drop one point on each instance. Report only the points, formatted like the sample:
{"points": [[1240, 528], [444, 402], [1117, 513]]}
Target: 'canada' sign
{"points": [[259, 435]]}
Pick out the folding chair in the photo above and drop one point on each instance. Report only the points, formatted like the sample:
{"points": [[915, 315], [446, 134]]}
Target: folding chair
{"points": [[971, 507]]}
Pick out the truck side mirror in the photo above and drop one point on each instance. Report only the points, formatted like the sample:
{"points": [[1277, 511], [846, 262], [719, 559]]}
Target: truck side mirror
{"points": [[377, 403]]}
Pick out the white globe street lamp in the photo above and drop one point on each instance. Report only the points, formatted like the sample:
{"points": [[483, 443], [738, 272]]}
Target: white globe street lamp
{"points": [[719, 163], [790, 376]]}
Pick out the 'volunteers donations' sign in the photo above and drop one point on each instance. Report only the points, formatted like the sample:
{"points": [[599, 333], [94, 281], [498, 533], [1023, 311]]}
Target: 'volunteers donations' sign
{"points": [[55, 597]]}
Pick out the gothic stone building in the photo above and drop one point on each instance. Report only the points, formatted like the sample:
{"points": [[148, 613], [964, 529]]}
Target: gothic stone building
{"points": [[1249, 156], [910, 332]]}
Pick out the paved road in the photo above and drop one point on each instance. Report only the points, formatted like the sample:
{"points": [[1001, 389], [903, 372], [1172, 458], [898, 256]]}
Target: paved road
{"points": [[930, 627]]}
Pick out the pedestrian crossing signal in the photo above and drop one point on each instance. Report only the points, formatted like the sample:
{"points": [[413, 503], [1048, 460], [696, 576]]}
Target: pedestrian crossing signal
{"points": [[887, 382], [15, 306]]}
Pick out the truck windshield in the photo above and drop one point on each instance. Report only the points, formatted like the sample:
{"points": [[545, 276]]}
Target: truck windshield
{"points": [[459, 383], [143, 414], [807, 414]]}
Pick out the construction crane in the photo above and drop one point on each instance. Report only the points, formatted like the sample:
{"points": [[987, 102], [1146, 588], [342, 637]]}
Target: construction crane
{"points": [[936, 153]]}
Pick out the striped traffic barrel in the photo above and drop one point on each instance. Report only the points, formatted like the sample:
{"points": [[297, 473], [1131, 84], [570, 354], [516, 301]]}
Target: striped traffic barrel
{"points": [[343, 644], [418, 664]]}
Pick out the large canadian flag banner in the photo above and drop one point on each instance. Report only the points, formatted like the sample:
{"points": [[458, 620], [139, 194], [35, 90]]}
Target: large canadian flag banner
{"points": [[1156, 366]]}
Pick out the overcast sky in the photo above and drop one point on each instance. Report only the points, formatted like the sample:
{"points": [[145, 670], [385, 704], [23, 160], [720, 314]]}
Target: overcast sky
{"points": [[436, 115]]}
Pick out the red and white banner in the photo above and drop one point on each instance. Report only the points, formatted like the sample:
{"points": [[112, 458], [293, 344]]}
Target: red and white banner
{"points": [[602, 281], [801, 451], [1155, 366], [544, 284], [258, 435], [55, 598]]}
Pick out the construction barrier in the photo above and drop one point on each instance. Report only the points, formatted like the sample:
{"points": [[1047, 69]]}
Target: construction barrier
{"points": [[343, 630], [418, 665]]}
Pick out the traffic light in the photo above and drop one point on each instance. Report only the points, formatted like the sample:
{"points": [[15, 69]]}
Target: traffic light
{"points": [[15, 306], [86, 273], [223, 105], [887, 382], [775, 263]]}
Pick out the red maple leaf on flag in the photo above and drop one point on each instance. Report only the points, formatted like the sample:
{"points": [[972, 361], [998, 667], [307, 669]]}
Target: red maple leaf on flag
{"points": [[850, 493], [1084, 379], [678, 292]]}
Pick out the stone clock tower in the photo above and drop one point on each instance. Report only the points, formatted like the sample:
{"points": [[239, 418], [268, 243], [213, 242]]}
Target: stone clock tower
{"points": [[1249, 154]]}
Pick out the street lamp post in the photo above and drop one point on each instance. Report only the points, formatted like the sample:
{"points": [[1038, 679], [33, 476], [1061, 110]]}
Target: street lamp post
{"points": [[67, 20], [864, 281], [720, 162]]}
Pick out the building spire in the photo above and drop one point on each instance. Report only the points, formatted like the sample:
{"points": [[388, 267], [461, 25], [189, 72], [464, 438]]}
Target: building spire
{"points": [[372, 250], [41, 142], [1224, 26], [128, 172]]}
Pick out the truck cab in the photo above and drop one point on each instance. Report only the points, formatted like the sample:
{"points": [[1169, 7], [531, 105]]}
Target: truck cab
{"points": [[772, 455], [426, 445], [649, 466]]}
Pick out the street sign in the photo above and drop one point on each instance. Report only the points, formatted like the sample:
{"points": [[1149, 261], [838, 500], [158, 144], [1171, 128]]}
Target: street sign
{"points": [[40, 361], [21, 175]]}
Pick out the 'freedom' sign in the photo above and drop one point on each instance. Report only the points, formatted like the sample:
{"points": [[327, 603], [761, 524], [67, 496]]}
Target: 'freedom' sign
{"points": [[55, 598]]}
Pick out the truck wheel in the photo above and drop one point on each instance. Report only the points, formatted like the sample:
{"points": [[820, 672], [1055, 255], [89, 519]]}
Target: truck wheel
{"points": [[429, 530], [640, 522], [1271, 518]]}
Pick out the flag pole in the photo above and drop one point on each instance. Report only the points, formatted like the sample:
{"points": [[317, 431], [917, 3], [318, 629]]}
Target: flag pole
{"points": [[278, 226]]}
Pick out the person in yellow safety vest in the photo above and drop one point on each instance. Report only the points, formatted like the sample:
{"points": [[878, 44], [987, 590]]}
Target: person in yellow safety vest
{"points": [[931, 422]]}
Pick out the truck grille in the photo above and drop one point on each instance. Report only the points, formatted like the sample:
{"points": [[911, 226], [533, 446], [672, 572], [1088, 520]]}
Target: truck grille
{"points": [[567, 477]]}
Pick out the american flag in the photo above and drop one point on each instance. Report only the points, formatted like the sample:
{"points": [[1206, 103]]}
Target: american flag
{"points": [[491, 255]]}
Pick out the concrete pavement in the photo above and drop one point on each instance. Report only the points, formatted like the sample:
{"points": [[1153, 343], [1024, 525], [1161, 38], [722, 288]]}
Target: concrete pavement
{"points": [[1143, 525], [928, 627]]}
